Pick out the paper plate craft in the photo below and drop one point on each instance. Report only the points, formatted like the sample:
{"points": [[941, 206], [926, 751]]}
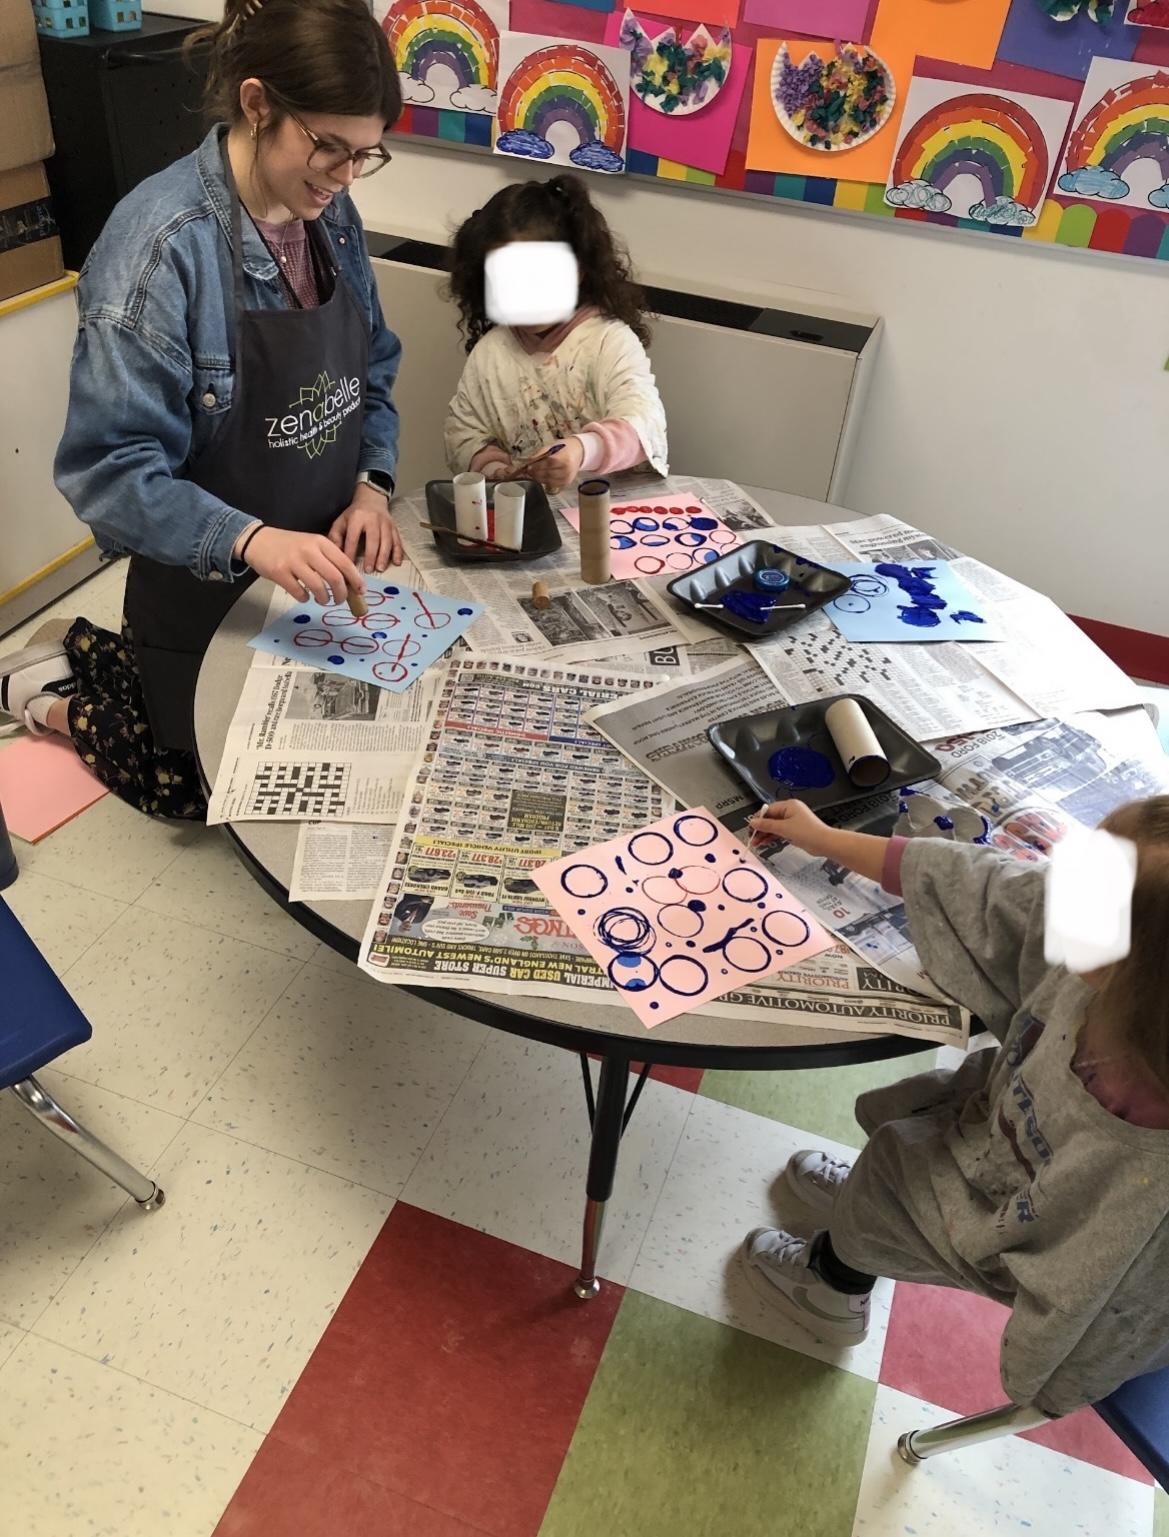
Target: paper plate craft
{"points": [[836, 103], [447, 52], [679, 914], [669, 535], [671, 77], [404, 632], [1067, 10]]}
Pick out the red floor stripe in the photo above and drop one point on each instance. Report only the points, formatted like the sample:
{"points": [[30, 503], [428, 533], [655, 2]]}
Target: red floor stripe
{"points": [[452, 1375], [943, 1346]]}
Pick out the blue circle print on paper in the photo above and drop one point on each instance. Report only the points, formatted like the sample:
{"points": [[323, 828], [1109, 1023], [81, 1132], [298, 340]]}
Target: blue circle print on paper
{"points": [[703, 522], [465, 611], [379, 634], [301, 619], [391, 592], [801, 767], [337, 660]]}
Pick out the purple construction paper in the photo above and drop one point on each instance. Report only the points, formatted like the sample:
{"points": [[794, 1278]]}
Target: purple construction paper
{"points": [[1063, 47], [844, 19]]}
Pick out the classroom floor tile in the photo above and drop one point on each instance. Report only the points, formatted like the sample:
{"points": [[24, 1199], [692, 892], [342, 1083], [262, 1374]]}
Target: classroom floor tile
{"points": [[1004, 1487], [110, 848], [222, 1295], [62, 920], [720, 1186], [484, 1442], [85, 1448], [510, 1155], [55, 1204], [694, 1427]]}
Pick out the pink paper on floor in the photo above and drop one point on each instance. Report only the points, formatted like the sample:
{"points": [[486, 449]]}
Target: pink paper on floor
{"points": [[43, 784], [670, 534], [679, 914]]}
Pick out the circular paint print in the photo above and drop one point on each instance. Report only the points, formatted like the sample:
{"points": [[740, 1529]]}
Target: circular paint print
{"points": [[632, 973], [680, 560], [390, 672], [690, 538], [380, 621], [584, 881], [694, 831], [310, 638], [785, 929], [660, 889], [622, 542], [646, 525], [648, 565], [654, 541], [625, 929], [697, 880], [869, 586], [302, 619], [746, 954], [337, 618], [359, 645], [337, 661], [620, 526], [745, 885], [401, 648], [684, 976], [651, 848], [425, 620], [680, 921], [852, 603]]}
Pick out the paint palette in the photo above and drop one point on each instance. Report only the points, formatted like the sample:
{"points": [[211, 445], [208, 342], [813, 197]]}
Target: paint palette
{"points": [[794, 742], [679, 914], [738, 580], [404, 632], [541, 535]]}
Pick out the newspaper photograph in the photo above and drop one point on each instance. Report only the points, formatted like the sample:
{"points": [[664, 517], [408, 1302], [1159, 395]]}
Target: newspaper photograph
{"points": [[339, 861], [313, 746]]}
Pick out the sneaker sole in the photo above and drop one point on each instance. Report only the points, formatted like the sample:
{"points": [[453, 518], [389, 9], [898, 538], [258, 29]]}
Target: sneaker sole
{"points": [[819, 1329]]}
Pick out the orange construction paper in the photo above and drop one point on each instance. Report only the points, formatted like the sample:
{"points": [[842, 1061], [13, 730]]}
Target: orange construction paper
{"points": [[43, 783], [771, 148], [724, 13], [959, 31]]}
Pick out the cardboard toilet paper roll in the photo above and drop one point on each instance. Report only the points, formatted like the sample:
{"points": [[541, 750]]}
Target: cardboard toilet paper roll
{"points": [[509, 514], [471, 506], [595, 557], [853, 739]]}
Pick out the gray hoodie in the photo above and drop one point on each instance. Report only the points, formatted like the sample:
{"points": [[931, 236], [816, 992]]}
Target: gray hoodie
{"points": [[1007, 1177]]}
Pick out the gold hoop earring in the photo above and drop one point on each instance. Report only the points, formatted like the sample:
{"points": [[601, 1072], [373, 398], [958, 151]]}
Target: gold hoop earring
{"points": [[254, 130]]}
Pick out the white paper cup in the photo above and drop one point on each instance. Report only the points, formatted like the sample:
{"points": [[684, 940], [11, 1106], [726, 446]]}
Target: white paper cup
{"points": [[853, 738], [509, 514], [471, 506]]}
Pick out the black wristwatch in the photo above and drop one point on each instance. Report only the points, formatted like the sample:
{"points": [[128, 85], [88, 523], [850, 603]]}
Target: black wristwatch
{"points": [[380, 481]]}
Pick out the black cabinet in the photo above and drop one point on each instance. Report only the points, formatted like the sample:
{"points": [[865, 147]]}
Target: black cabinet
{"points": [[124, 105]]}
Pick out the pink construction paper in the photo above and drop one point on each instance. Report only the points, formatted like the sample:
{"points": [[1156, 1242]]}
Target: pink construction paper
{"points": [[703, 140], [845, 19], [43, 784], [679, 914], [671, 546]]}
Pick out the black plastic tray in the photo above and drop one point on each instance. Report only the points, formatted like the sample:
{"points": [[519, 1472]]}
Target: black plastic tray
{"points": [[748, 743], [541, 535], [812, 585]]}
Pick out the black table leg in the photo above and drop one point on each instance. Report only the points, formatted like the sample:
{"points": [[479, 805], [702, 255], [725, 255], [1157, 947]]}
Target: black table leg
{"points": [[608, 1123]]}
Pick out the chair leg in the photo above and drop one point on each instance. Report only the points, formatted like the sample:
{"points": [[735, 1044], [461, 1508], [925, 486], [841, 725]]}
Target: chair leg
{"points": [[37, 1099], [1007, 1420]]}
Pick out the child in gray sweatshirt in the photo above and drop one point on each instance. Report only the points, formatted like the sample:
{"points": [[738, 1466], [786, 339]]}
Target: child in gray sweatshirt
{"points": [[1038, 1172]]}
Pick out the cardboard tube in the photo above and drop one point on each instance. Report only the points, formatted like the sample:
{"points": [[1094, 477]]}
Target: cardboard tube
{"points": [[853, 739], [509, 514], [471, 506], [540, 596], [593, 501]]}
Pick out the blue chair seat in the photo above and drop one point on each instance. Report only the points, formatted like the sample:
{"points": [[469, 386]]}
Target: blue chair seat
{"points": [[38, 1019], [1139, 1414]]}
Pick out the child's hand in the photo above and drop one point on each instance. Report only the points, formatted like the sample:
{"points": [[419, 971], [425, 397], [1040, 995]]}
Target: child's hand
{"points": [[794, 822], [560, 469], [495, 469]]}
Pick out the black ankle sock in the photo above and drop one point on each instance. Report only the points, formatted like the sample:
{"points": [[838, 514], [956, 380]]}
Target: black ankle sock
{"points": [[832, 1270]]}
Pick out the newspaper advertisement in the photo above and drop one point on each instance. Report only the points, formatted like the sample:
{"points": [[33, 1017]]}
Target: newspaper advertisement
{"points": [[512, 763], [339, 861], [310, 746], [510, 777]]}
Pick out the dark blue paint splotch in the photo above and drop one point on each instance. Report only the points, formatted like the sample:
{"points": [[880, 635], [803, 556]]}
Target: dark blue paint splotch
{"points": [[964, 616], [919, 618], [801, 767]]}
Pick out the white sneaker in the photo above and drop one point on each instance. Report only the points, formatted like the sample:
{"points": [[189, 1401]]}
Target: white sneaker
{"points": [[816, 1178], [26, 674], [777, 1267]]}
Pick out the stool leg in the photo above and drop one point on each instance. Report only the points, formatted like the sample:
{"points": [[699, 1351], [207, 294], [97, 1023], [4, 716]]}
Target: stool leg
{"points": [[916, 1445], [37, 1099], [606, 1144]]}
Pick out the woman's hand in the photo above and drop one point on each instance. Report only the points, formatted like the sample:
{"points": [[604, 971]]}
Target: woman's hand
{"points": [[303, 563], [560, 469], [793, 822], [367, 523]]}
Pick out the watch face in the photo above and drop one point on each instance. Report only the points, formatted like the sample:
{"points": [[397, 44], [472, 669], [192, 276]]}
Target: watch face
{"points": [[380, 479]]}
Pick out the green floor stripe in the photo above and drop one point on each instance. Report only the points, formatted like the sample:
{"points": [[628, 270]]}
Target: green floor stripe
{"points": [[819, 1100], [693, 1427], [1160, 1513]]}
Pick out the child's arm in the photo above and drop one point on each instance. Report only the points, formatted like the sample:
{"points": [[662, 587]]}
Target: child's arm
{"points": [[630, 403], [798, 824], [471, 431]]}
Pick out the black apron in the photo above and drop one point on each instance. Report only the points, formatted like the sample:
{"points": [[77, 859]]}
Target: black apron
{"points": [[287, 452]]}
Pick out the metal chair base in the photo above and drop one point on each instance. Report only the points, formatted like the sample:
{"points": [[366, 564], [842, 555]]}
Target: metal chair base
{"points": [[39, 1102], [1007, 1420]]}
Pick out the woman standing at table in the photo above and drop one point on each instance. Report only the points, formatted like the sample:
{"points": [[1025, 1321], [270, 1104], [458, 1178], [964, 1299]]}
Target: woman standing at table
{"points": [[230, 408]]}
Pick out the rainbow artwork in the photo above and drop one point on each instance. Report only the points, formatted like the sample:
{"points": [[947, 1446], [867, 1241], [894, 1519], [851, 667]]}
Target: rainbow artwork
{"points": [[447, 51], [563, 101], [1122, 121], [985, 156]]}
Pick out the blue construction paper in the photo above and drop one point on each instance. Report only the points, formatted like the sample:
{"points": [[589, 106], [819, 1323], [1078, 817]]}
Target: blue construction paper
{"points": [[889, 601], [1031, 37], [406, 630]]}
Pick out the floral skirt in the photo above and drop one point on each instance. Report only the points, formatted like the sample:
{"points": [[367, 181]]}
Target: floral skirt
{"points": [[111, 729]]}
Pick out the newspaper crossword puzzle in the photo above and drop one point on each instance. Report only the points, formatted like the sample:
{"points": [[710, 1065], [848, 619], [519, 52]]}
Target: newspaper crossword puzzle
{"points": [[316, 790]]}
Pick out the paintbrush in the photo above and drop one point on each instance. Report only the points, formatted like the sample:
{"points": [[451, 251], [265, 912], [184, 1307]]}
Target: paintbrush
{"points": [[522, 469], [453, 533]]}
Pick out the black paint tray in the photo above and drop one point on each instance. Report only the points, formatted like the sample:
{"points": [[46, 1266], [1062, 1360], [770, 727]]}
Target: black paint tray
{"points": [[541, 535], [811, 584], [748, 743]]}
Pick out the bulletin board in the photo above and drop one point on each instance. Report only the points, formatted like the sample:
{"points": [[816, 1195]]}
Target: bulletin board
{"points": [[1039, 120]]}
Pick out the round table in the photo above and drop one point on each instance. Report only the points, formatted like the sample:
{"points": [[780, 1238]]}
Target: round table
{"points": [[614, 1035]]}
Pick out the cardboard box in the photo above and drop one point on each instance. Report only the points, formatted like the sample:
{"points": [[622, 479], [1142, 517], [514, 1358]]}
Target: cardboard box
{"points": [[30, 252], [28, 133]]}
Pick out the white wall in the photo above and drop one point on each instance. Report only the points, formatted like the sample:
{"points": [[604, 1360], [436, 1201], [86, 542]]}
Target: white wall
{"points": [[1019, 405]]}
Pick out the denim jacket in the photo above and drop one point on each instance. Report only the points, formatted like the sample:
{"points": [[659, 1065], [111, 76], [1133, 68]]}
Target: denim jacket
{"points": [[152, 374]]}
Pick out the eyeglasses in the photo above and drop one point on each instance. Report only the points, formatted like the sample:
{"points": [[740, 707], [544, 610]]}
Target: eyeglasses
{"points": [[327, 155]]}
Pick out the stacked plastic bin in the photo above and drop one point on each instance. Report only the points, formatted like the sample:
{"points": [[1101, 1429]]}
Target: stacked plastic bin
{"points": [[62, 18]]}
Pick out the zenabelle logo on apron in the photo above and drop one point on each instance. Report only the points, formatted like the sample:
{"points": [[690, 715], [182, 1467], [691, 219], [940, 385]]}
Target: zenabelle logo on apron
{"points": [[314, 417]]}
